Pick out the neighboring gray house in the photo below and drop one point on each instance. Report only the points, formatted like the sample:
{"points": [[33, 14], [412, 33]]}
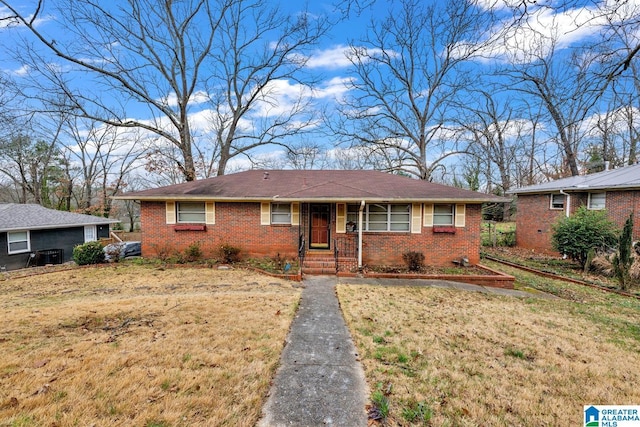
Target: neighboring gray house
{"points": [[32, 234]]}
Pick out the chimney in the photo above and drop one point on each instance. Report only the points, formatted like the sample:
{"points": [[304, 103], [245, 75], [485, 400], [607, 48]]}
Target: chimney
{"points": [[606, 165]]}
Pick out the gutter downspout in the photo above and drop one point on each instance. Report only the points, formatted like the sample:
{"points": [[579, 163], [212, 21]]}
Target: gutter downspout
{"points": [[568, 208], [360, 215]]}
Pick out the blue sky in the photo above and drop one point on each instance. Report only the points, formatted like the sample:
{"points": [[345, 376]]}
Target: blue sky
{"points": [[328, 62]]}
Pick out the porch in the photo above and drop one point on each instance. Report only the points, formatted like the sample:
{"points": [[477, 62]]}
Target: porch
{"points": [[321, 250]]}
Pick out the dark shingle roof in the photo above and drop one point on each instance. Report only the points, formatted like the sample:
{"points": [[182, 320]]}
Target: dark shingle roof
{"points": [[312, 185], [627, 177], [15, 216]]}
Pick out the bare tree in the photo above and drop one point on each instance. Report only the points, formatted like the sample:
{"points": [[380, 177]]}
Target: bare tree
{"points": [[103, 156], [407, 71], [488, 129], [566, 89], [258, 94], [163, 57]]}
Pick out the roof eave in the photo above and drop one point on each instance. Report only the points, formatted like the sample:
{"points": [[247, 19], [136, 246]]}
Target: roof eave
{"points": [[178, 198], [574, 189], [55, 226]]}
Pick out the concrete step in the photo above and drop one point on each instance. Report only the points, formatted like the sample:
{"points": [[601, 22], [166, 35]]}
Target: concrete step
{"points": [[319, 271]]}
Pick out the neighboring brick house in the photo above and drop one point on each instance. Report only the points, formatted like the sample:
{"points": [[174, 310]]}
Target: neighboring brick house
{"points": [[540, 206], [34, 235], [315, 213]]}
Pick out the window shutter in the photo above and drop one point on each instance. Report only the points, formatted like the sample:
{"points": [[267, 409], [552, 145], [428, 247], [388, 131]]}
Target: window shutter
{"points": [[416, 215], [428, 215], [171, 212], [460, 215], [210, 212], [265, 213], [295, 213], [341, 217]]}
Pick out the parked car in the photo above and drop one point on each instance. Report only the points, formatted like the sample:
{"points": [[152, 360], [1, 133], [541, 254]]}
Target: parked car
{"points": [[122, 250]]}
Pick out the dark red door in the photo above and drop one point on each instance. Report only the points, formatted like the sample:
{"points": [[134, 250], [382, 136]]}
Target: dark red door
{"points": [[320, 226]]}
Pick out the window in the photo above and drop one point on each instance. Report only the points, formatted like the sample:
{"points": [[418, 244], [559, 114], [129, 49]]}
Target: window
{"points": [[18, 241], [597, 200], [443, 215], [90, 234], [191, 212], [557, 201], [380, 217], [281, 213]]}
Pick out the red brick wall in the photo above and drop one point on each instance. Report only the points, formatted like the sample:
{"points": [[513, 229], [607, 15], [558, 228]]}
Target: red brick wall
{"points": [[439, 249], [534, 221], [534, 218], [238, 224]]}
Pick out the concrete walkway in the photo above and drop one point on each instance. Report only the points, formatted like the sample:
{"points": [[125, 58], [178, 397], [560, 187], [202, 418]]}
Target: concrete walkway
{"points": [[320, 381]]}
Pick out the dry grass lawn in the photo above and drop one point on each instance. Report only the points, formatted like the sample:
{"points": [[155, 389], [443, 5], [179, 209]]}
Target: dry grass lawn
{"points": [[134, 345], [456, 358]]}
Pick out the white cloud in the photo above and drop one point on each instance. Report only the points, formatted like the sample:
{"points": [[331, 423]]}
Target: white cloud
{"points": [[198, 97], [543, 29], [332, 58], [333, 88]]}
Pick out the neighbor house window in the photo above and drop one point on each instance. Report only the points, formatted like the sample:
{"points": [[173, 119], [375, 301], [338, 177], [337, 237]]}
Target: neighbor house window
{"points": [[443, 215], [18, 241], [597, 200], [90, 234], [281, 213], [380, 217], [191, 212], [557, 201]]}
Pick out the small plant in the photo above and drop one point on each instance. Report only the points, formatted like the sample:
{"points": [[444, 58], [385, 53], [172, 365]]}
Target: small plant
{"points": [[164, 252], [193, 252], [417, 412], [379, 409], [88, 253], [229, 254], [414, 260]]}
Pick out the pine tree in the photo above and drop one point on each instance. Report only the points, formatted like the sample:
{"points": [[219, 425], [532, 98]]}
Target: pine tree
{"points": [[622, 260]]}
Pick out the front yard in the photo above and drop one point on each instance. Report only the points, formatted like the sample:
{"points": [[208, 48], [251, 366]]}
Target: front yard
{"points": [[456, 358], [151, 346], [144, 346]]}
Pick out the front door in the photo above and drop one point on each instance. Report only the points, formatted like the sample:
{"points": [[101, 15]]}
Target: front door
{"points": [[320, 222]]}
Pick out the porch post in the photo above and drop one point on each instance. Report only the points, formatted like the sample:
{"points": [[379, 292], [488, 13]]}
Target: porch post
{"points": [[360, 211]]}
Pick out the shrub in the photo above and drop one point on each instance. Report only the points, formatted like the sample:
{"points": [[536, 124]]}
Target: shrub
{"points": [[193, 252], [414, 260], [88, 253], [582, 232], [229, 254]]}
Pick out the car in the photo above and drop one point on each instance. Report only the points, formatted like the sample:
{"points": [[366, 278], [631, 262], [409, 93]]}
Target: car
{"points": [[121, 250]]}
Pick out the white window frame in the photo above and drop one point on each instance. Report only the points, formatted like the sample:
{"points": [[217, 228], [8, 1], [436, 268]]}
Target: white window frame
{"points": [[10, 241], [597, 207], [180, 210], [450, 214], [553, 204], [281, 213], [90, 233], [393, 218]]}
